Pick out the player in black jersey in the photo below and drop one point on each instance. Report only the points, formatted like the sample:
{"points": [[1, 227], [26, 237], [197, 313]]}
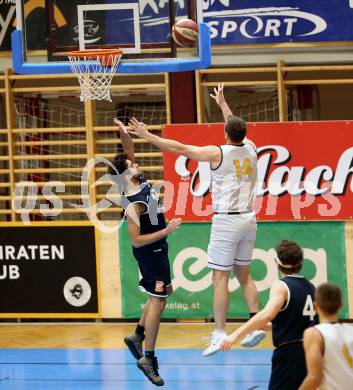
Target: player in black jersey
{"points": [[291, 310], [148, 232]]}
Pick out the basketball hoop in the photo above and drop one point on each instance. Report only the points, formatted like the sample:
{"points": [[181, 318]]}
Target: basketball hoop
{"points": [[95, 69]]}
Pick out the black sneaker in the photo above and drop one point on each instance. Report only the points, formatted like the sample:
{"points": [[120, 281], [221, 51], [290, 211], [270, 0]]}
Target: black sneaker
{"points": [[134, 343], [150, 368]]}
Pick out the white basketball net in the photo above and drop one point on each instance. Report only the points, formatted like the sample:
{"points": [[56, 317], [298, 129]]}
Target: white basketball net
{"points": [[95, 76]]}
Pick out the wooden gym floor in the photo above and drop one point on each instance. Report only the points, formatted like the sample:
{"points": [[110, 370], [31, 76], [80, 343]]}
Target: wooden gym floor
{"points": [[94, 357]]}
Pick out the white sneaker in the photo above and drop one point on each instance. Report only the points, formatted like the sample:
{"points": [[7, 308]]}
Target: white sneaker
{"points": [[253, 338], [215, 343]]}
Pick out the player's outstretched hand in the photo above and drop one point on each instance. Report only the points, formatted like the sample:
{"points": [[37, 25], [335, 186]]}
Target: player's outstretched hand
{"points": [[173, 225], [138, 128], [218, 94], [227, 343], [120, 125]]}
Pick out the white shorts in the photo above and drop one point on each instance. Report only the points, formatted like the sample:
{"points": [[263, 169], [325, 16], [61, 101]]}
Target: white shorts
{"points": [[232, 240]]}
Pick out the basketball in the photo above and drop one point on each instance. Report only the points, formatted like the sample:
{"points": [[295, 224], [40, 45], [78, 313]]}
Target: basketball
{"points": [[185, 32]]}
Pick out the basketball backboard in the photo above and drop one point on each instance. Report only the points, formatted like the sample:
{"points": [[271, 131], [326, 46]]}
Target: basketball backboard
{"points": [[140, 27]]}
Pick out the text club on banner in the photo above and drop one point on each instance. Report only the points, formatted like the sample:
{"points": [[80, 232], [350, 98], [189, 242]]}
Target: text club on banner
{"points": [[47, 270], [303, 172], [324, 252]]}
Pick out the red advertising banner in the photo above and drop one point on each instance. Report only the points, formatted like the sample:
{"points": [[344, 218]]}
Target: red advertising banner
{"points": [[304, 171]]}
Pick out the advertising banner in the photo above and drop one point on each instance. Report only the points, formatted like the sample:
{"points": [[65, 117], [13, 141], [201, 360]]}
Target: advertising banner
{"points": [[265, 21], [48, 271], [304, 171], [232, 22], [324, 253]]}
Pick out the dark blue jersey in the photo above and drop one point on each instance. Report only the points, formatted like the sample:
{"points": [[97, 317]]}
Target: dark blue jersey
{"points": [[298, 313], [152, 219]]}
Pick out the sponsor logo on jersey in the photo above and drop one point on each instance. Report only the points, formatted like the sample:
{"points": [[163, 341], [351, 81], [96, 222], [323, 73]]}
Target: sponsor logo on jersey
{"points": [[159, 286]]}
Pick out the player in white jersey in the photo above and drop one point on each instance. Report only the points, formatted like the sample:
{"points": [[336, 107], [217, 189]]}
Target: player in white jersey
{"points": [[329, 345], [234, 223], [233, 233]]}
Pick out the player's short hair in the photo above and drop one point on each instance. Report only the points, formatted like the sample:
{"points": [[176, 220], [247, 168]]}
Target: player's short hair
{"points": [[290, 255], [235, 127], [328, 296], [120, 163]]}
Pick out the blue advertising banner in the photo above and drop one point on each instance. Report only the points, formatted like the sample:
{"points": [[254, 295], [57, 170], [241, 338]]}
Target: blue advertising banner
{"points": [[265, 21], [258, 21], [232, 22]]}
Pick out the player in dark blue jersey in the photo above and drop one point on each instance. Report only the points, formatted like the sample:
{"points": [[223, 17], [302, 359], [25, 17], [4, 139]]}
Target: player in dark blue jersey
{"points": [[291, 310], [148, 232]]}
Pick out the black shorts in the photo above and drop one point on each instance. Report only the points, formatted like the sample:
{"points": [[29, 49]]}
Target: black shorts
{"points": [[154, 266], [288, 367]]}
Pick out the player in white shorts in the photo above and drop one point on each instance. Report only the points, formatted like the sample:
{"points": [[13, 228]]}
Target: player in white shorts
{"points": [[233, 230], [329, 345], [234, 175]]}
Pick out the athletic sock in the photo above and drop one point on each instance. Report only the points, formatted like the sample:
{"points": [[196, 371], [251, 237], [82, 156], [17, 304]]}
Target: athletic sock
{"points": [[149, 354], [220, 331], [140, 330]]}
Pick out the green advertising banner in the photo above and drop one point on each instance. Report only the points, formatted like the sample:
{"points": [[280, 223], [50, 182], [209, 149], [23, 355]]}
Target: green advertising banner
{"points": [[324, 251]]}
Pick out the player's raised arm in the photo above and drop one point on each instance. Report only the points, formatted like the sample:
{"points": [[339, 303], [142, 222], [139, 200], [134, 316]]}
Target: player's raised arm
{"points": [[210, 153], [126, 140], [219, 98]]}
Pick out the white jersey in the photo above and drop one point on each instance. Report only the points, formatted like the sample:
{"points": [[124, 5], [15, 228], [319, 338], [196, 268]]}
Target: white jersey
{"points": [[233, 181], [338, 356]]}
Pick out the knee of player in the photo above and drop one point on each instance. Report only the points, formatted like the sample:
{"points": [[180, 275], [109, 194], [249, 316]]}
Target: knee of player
{"points": [[220, 278], [242, 275], [243, 279], [162, 304], [159, 302]]}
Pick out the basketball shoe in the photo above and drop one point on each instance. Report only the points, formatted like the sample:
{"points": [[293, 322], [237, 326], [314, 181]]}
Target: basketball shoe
{"points": [[150, 368], [215, 342], [253, 338], [134, 343]]}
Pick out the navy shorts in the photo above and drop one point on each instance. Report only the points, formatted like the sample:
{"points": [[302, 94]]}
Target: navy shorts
{"points": [[154, 267], [288, 367]]}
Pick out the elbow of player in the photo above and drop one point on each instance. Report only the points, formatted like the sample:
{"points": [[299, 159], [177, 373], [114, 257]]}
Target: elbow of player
{"points": [[315, 380], [177, 147], [137, 243], [181, 149], [178, 151], [190, 154], [268, 316]]}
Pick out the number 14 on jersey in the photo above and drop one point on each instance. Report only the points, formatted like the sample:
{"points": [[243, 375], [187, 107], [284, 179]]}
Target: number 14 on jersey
{"points": [[243, 168]]}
